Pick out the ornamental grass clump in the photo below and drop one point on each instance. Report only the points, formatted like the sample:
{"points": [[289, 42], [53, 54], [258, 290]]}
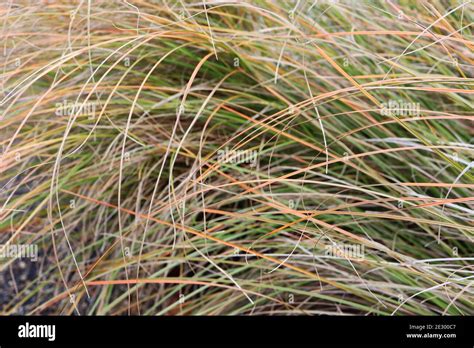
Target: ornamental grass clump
{"points": [[237, 158]]}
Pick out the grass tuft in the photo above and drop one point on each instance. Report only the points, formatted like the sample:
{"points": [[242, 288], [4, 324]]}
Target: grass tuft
{"points": [[224, 157]]}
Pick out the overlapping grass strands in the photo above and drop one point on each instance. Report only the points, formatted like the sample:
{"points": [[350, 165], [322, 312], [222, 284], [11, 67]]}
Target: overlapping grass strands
{"points": [[227, 157]]}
